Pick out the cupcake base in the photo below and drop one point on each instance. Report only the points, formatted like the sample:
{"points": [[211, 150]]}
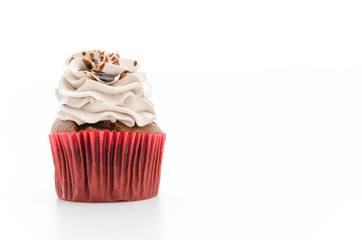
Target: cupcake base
{"points": [[104, 166]]}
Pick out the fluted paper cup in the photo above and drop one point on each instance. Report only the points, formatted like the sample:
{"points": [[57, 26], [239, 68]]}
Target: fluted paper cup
{"points": [[104, 166]]}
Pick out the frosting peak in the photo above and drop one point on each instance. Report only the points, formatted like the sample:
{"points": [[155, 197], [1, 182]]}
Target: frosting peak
{"points": [[102, 66], [98, 86]]}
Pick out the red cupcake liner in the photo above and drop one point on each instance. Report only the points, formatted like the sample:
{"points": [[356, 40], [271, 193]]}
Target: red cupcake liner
{"points": [[104, 166]]}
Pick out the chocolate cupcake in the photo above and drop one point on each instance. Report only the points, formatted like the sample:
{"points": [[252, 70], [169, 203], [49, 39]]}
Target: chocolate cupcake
{"points": [[105, 143]]}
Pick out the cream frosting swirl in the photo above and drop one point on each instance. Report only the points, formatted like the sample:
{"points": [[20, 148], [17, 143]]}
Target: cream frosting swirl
{"points": [[98, 86]]}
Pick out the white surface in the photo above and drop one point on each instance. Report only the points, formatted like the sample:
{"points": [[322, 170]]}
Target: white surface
{"points": [[261, 102]]}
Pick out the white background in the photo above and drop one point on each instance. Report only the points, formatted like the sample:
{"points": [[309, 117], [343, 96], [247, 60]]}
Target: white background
{"points": [[261, 102]]}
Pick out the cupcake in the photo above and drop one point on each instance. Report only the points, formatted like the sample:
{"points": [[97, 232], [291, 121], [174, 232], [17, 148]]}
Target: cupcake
{"points": [[105, 143]]}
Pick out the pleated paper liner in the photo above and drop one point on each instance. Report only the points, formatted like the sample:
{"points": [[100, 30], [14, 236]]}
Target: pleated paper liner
{"points": [[104, 166]]}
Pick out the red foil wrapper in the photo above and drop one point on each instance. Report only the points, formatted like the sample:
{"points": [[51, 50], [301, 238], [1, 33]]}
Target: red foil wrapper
{"points": [[104, 166]]}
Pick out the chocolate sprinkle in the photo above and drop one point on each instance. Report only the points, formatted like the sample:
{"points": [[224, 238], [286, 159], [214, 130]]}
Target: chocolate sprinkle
{"points": [[87, 63], [123, 75], [99, 67]]}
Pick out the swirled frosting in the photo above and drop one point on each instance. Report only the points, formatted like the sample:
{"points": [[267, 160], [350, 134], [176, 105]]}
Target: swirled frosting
{"points": [[98, 86]]}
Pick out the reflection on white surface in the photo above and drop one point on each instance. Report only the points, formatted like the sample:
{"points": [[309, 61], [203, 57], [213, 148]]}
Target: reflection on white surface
{"points": [[109, 220]]}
